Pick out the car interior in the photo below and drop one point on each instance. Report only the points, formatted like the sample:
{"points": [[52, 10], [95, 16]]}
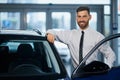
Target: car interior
{"points": [[25, 58], [16, 61]]}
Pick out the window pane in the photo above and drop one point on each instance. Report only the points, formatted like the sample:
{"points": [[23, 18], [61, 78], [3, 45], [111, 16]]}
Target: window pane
{"points": [[106, 9], [107, 25], [118, 6], [118, 24], [3, 1], [9, 20], [61, 20], [93, 21], [36, 20]]}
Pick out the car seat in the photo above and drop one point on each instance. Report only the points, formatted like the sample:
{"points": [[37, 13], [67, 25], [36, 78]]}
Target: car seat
{"points": [[25, 55], [25, 51]]}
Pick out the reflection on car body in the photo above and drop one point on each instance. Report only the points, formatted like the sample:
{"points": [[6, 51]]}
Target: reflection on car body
{"points": [[28, 55]]}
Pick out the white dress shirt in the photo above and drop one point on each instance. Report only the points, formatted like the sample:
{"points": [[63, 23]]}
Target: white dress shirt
{"points": [[91, 38]]}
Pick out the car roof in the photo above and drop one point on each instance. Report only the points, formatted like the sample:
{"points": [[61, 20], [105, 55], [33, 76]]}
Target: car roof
{"points": [[20, 32]]}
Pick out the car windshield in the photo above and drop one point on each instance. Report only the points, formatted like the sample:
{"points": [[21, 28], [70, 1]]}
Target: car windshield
{"points": [[37, 53]]}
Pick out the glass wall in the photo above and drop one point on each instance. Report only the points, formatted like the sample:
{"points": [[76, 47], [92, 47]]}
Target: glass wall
{"points": [[107, 20], [119, 16], [36, 20], [61, 20], [9, 20]]}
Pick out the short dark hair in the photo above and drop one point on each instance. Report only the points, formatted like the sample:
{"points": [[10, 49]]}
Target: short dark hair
{"points": [[82, 8]]}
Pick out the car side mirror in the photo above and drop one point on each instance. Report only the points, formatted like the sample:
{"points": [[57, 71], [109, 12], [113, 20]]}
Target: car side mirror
{"points": [[93, 68]]}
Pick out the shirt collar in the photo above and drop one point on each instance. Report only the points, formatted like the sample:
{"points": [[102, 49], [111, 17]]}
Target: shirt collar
{"points": [[86, 30]]}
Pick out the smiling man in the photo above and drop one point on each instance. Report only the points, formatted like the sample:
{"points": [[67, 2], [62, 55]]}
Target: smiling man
{"points": [[90, 37]]}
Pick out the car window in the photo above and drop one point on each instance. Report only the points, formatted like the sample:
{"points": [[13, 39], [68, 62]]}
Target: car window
{"points": [[51, 58], [41, 54]]}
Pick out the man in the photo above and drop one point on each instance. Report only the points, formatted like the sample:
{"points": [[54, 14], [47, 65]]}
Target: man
{"points": [[91, 38]]}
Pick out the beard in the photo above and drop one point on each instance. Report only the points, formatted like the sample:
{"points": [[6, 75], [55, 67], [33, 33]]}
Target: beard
{"points": [[83, 24]]}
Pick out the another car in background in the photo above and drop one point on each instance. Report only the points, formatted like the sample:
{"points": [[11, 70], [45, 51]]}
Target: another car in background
{"points": [[63, 51], [28, 55]]}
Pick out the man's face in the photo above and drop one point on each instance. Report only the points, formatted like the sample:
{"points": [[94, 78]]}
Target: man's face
{"points": [[83, 19]]}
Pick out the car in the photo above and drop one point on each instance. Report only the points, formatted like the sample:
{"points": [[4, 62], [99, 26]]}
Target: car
{"points": [[26, 54], [97, 70]]}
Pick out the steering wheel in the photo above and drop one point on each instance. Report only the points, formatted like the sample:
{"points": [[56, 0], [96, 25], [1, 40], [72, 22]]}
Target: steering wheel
{"points": [[27, 69]]}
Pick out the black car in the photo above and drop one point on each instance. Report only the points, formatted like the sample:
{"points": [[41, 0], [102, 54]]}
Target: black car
{"points": [[28, 55]]}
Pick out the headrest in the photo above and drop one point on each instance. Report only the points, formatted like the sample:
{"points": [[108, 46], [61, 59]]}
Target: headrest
{"points": [[25, 50]]}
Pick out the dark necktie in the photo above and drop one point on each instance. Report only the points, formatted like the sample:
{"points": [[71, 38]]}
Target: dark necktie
{"points": [[81, 47]]}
